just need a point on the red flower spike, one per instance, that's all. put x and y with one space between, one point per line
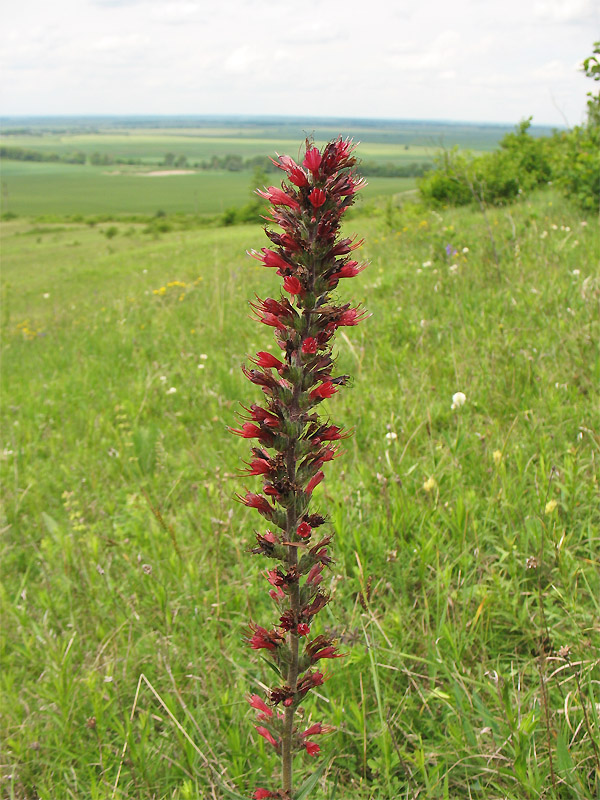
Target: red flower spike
311 257
317 197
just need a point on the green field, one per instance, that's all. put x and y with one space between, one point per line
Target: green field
66 189
58 189
472 666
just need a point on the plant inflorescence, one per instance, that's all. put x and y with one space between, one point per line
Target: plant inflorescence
293 441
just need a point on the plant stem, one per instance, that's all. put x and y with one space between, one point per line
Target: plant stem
287 758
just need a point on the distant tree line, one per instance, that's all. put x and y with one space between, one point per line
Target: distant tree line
75 157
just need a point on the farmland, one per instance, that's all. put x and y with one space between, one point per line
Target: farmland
466 578
116 189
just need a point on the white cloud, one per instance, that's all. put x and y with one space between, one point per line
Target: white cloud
565 10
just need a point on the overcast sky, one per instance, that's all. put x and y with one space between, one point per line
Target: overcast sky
475 60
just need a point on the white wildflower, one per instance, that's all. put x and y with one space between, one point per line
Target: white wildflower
172 390
458 400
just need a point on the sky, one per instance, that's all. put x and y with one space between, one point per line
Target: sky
464 60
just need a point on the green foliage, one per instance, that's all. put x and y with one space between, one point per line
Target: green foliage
123 553
520 165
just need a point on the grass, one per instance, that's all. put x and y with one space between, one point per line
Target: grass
466 540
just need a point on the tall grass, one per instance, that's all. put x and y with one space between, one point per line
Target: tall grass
467 582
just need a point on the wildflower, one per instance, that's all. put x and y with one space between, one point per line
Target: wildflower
262 731
576 272
465 250
550 507
426 264
312 160
453 268
391 435
309 345
260 705
46 295
304 530
172 390
327 389
544 234
497 456
429 485
263 639
278 197
317 197
202 356
310 258
458 400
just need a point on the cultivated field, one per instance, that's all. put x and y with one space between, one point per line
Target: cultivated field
57 189
466 583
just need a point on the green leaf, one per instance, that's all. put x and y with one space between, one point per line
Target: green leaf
310 783
273 666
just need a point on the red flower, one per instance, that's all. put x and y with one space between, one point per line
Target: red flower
262 731
303 629
248 431
279 197
331 433
270 258
267 360
351 317
313 482
292 285
262 639
321 647
314 577
312 160
309 345
259 466
327 389
313 730
349 270
309 681
262 794
304 530
275 322
256 702
258 502
312 748
317 197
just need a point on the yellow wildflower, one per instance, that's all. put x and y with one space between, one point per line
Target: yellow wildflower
429 485
550 506
497 456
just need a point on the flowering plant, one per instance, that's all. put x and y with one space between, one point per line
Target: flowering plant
294 443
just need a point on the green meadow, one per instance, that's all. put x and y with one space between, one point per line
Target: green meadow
56 189
466 582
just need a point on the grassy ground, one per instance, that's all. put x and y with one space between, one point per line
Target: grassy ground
466 581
